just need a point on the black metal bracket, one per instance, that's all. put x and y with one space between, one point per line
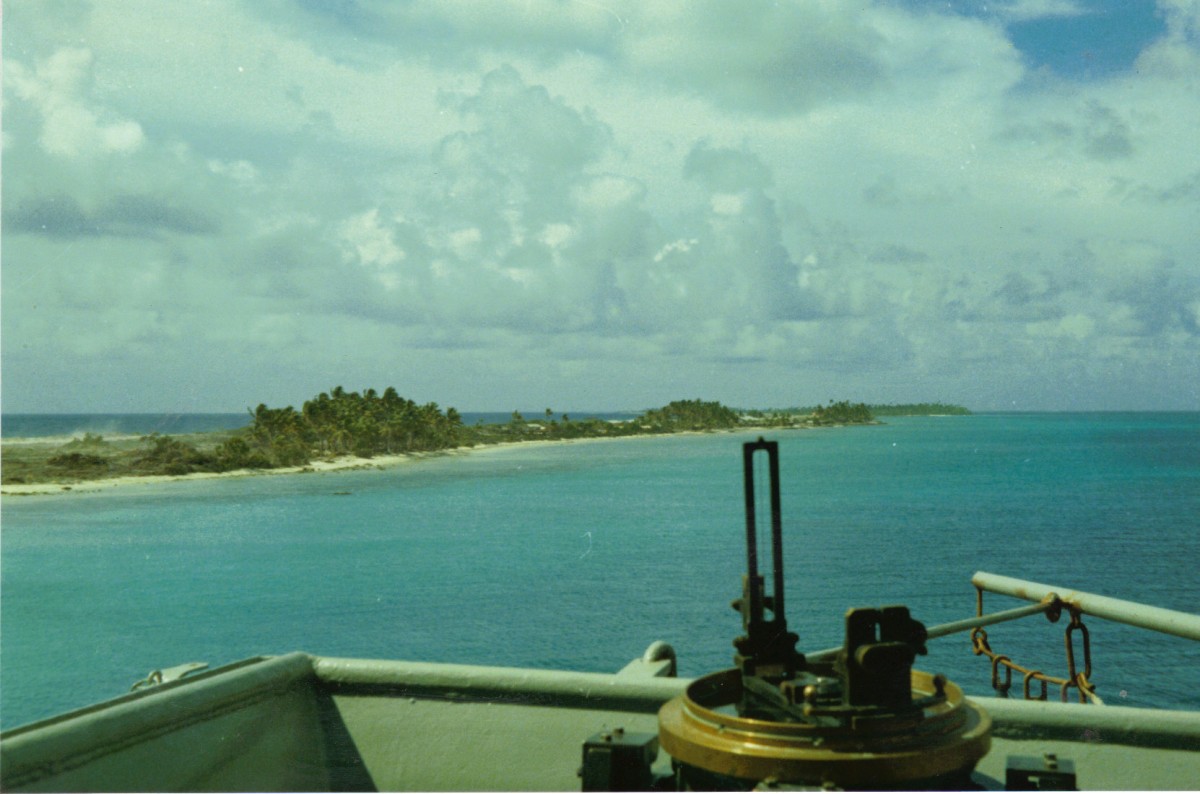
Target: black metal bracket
767 649
1048 773
876 661
619 761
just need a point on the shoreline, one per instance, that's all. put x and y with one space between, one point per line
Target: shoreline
343 463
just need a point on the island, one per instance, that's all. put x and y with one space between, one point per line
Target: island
343 428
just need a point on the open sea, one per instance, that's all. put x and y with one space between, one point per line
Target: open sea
579 555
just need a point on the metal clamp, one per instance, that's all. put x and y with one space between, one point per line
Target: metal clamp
158 677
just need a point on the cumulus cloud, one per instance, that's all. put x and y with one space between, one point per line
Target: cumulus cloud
71 125
813 199
521 227
1176 53
760 57
373 246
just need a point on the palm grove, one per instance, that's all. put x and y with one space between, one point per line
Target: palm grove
371 423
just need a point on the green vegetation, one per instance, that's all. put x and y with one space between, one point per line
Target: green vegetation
676 417
371 424
842 413
88 441
835 413
920 409
340 423
690 415
77 461
170 455
93 457
845 412
330 425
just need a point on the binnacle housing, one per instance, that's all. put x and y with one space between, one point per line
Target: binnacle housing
864 719
723 730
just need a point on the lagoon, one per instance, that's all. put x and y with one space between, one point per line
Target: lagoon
579 555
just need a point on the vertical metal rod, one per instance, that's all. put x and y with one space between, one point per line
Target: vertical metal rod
751 524
776 532
756 600
756 606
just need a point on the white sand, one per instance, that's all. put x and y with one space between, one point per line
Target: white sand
344 463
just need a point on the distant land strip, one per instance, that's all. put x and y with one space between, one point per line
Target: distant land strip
340 424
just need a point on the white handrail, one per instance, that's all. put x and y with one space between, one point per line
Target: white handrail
1167 621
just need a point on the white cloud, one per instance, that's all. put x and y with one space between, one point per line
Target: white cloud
761 57
682 246
1025 10
465 243
1176 55
373 247
1076 326
241 171
556 235
71 126
726 203
851 193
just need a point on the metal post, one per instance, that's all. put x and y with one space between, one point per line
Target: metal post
776 596
755 606
776 532
768 648
966 624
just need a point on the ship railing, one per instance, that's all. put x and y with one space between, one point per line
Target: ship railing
1076 603
1051 601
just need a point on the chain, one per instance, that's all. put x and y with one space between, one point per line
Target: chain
1003 666
1087 690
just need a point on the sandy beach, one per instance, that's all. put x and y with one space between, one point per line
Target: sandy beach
91 486
343 463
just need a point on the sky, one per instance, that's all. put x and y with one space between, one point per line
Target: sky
600 205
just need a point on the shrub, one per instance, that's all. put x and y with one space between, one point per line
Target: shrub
237 454
88 440
172 456
78 460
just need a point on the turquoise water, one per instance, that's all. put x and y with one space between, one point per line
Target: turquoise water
579 555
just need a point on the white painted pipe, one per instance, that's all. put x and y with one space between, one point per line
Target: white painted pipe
1167 621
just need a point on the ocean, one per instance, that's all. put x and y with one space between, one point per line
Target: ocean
579 555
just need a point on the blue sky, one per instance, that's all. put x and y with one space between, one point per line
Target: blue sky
599 204
1088 38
